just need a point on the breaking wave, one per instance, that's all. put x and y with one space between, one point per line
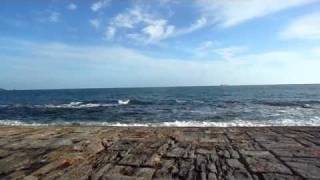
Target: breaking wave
302 104
77 105
84 104
123 102
235 123
72 105
178 107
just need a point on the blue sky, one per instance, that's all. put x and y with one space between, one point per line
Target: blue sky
113 43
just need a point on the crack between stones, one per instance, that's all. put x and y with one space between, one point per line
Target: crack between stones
243 161
278 158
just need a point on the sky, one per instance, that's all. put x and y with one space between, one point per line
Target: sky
56 44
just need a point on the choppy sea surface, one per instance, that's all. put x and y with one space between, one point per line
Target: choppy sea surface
278 105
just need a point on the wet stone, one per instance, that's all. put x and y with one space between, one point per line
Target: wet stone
13 162
238 175
176 152
168 167
272 176
203 151
80 172
264 161
134 159
299 152
212 176
234 154
235 164
306 167
247 145
185 166
212 168
4 153
97 153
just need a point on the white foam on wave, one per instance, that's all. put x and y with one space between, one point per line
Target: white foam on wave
74 105
86 105
123 102
198 101
179 101
78 105
19 123
92 105
235 123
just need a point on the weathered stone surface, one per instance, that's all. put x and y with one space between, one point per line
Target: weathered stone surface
264 161
306 167
298 152
159 153
4 153
271 176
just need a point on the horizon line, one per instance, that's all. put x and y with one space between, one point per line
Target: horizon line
181 86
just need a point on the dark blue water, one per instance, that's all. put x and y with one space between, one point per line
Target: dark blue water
182 106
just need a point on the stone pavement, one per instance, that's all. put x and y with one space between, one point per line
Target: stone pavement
159 153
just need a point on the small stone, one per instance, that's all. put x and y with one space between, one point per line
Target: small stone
272 176
212 168
308 168
175 152
264 161
234 154
212 176
235 164
30 177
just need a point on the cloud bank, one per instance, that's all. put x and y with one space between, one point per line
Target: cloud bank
106 66
306 27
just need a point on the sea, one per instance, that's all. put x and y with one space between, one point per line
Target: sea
211 106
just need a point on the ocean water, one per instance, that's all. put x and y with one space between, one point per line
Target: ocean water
280 105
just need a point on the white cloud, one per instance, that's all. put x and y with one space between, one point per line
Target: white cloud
305 27
48 16
231 52
130 18
232 12
110 33
200 23
213 49
100 4
105 66
54 17
158 30
72 6
95 23
316 51
204 49
166 2
140 25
